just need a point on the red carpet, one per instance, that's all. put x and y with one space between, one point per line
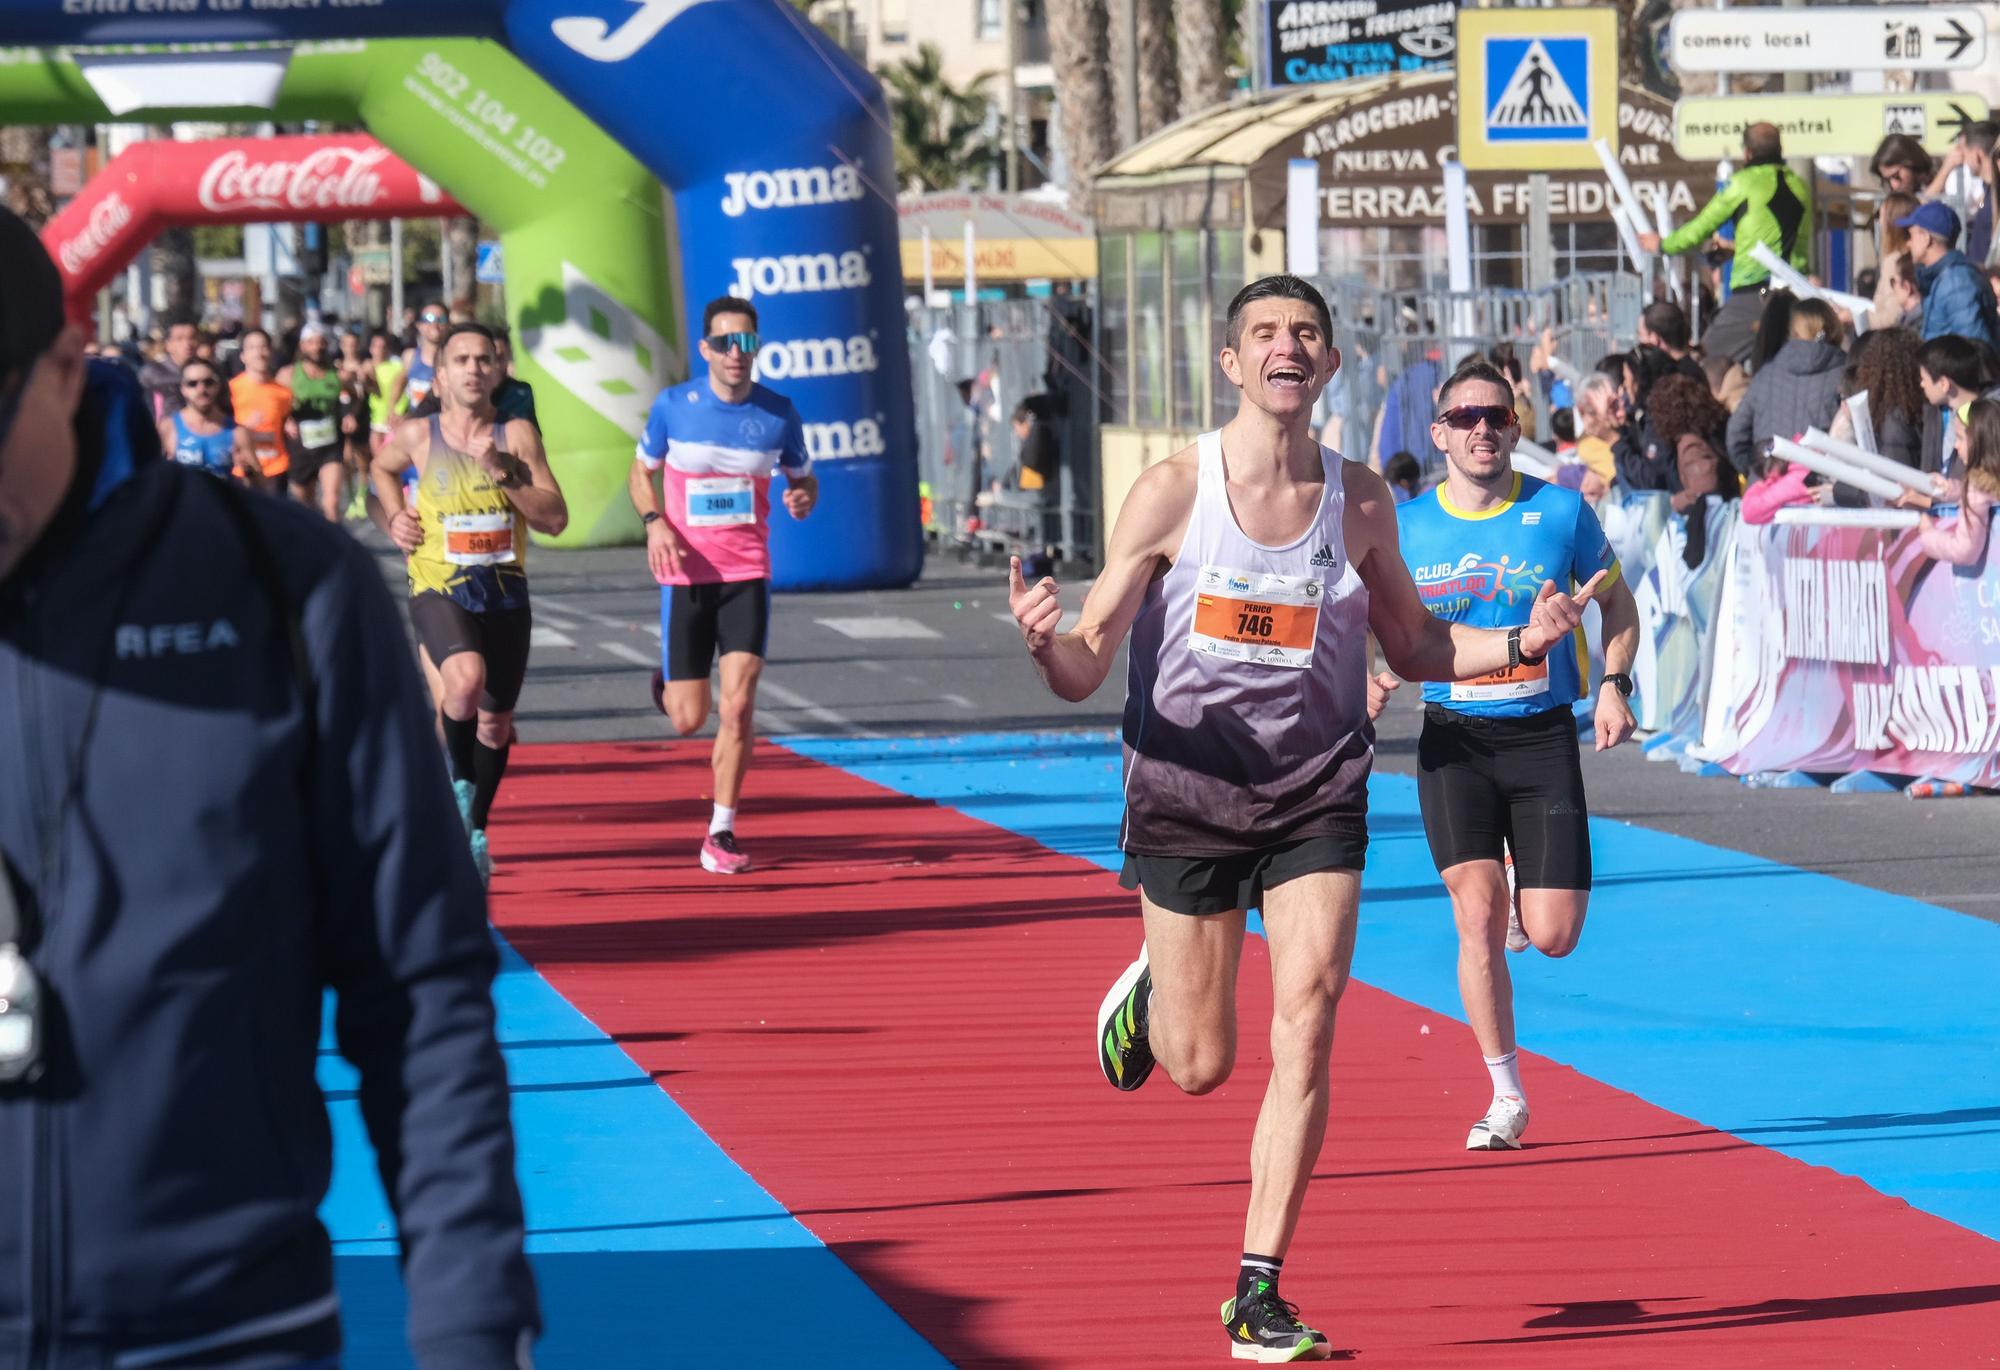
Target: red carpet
888 1025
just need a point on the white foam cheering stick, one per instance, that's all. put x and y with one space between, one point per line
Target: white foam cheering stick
1887 467
1846 472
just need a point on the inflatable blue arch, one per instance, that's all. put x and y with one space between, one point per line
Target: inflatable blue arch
774 145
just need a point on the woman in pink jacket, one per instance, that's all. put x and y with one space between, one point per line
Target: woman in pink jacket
1975 487
1779 485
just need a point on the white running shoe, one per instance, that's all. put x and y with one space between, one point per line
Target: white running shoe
1517 936
1501 1128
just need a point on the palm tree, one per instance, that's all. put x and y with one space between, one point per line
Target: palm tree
944 133
1201 38
1250 42
174 264
24 152
173 261
461 240
1079 53
1159 80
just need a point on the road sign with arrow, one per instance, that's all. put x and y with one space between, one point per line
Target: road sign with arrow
1710 127
1941 38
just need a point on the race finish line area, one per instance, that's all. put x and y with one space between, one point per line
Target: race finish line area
900 534
859 1081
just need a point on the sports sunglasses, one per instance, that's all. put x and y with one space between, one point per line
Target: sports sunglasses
1466 417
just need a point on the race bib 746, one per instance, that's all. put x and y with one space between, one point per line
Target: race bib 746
1256 616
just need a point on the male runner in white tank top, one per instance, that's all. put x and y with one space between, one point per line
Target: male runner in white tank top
1249 569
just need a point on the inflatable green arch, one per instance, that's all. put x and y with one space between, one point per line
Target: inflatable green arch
584 228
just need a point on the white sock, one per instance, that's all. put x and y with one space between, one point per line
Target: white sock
1506 1073
725 821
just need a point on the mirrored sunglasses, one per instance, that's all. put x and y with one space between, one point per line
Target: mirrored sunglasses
746 343
1466 417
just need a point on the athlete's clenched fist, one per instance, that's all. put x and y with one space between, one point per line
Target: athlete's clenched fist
1380 686
1037 608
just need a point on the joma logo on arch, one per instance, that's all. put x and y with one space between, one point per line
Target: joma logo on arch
789 188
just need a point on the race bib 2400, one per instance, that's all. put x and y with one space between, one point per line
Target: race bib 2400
721 501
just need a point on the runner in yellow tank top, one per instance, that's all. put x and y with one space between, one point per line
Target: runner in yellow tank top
481 484
474 541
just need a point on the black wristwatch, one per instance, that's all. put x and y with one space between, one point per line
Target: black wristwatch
1517 657
1621 680
651 516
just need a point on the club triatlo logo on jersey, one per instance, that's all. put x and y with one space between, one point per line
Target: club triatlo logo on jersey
1258 617
1449 587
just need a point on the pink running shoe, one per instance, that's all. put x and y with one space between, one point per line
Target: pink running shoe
721 856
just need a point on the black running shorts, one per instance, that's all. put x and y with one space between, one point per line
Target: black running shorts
1486 784
307 461
698 623
445 628
1197 885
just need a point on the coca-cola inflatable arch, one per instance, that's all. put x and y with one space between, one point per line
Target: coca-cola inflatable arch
773 146
152 186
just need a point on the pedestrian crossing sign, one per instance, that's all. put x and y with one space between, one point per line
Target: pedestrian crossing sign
1536 88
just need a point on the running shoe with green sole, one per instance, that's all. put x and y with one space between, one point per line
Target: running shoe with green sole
482 857
1123 1053
1267 1329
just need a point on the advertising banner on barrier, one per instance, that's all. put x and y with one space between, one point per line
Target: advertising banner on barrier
1677 606
1844 649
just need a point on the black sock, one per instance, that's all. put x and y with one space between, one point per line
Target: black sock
1257 1270
488 765
459 736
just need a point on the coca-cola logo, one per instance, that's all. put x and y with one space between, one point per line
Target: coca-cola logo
107 218
330 178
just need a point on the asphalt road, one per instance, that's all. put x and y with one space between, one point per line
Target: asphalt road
944 657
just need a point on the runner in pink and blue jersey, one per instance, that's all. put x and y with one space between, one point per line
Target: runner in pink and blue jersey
702 485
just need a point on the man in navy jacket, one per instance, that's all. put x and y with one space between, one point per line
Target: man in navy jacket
220 796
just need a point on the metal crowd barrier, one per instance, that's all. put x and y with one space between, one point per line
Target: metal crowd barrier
971 365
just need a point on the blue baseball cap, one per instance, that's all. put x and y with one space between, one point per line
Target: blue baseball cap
1934 218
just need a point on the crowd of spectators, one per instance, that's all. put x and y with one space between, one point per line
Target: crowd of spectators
1696 420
